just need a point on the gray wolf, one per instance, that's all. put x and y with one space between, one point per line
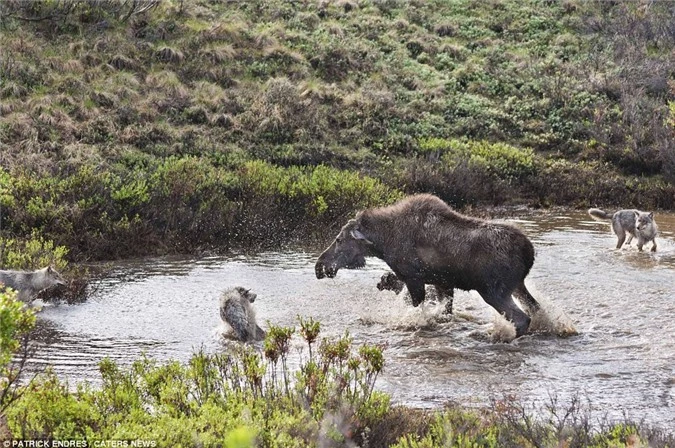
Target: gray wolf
29 283
236 311
425 242
634 222
390 282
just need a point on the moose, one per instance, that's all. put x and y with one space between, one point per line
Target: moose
424 241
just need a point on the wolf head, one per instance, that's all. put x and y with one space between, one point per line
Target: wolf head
246 294
49 277
643 220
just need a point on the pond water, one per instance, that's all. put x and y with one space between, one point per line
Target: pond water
620 302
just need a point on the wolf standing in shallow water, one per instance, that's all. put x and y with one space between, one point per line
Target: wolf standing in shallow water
236 311
29 284
636 223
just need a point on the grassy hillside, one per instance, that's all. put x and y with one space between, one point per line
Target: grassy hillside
129 128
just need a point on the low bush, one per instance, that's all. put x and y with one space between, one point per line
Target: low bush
213 397
504 161
32 253
461 185
16 323
180 204
587 184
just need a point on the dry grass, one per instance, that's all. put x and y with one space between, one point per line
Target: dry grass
167 82
169 55
6 108
275 50
12 89
217 54
122 62
209 94
233 31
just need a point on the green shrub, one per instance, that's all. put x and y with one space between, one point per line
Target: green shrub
16 322
32 253
303 201
320 188
191 200
502 160
235 396
244 397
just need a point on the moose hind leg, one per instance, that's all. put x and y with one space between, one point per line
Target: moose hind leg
504 304
526 299
447 295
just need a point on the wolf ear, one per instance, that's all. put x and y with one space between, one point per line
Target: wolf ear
637 213
651 214
50 269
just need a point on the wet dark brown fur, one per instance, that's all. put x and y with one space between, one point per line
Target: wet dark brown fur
424 242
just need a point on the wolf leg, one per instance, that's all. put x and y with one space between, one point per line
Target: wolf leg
653 245
620 233
641 242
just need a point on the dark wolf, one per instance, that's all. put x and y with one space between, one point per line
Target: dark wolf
634 222
29 283
425 242
236 311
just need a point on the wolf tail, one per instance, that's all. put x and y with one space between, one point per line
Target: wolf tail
598 214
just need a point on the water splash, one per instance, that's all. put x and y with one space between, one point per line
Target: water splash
392 311
502 329
550 318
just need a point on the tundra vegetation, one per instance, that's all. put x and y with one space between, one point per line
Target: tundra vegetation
135 128
142 127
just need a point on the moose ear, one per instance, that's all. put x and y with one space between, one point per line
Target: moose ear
357 235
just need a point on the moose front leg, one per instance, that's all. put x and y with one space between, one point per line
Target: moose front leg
416 290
